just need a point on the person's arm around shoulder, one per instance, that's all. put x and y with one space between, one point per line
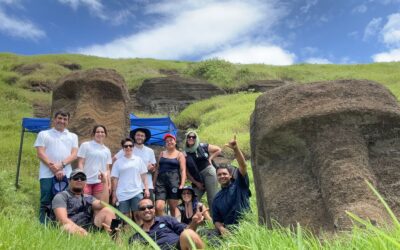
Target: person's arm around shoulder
60 210
214 151
232 144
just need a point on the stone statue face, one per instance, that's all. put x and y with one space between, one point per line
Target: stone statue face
314 146
94 100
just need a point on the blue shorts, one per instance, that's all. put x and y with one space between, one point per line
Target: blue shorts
130 205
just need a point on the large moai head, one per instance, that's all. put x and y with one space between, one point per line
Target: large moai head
96 96
313 146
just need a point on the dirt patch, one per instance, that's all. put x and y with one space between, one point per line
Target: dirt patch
26 69
314 145
96 96
41 109
39 85
71 66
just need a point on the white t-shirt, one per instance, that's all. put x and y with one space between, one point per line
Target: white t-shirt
58 146
96 156
147 155
128 171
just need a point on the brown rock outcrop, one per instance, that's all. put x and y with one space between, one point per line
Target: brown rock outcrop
172 94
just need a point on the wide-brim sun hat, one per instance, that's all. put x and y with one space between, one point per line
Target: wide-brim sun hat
144 130
190 188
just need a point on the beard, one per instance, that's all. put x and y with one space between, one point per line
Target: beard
77 190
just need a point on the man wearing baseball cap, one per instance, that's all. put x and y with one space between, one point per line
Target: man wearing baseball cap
79 213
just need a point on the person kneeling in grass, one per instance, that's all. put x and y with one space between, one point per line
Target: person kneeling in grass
166 231
233 198
79 213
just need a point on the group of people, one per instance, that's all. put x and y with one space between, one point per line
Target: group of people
138 185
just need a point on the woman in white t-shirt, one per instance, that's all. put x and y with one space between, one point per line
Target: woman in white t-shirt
94 157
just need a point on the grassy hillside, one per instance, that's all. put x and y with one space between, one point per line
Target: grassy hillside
216 120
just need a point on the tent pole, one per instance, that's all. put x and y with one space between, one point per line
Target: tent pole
19 157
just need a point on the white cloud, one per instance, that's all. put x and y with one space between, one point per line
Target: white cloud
391 30
317 60
249 53
391 56
16 27
360 9
200 27
372 28
308 5
96 8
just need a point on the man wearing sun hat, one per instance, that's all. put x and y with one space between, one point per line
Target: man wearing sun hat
77 212
140 136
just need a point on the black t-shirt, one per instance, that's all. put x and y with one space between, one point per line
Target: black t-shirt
200 157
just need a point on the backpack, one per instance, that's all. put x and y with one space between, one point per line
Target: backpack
59 186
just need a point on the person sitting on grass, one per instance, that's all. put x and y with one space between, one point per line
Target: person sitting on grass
190 205
79 213
166 231
233 198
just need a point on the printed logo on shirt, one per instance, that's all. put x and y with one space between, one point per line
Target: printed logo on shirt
162 225
174 190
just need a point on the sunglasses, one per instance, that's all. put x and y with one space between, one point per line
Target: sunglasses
128 146
192 137
78 178
186 193
146 207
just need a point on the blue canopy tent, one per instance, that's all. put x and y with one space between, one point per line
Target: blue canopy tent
33 125
157 126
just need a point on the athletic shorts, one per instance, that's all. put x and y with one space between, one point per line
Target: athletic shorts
92 189
167 186
130 205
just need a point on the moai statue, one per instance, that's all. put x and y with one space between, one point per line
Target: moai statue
95 96
313 147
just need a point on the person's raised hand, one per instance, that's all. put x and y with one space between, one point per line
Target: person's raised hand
232 144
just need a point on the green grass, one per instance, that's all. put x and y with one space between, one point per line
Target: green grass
216 119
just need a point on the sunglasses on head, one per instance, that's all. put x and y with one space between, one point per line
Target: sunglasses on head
79 178
128 146
192 137
143 208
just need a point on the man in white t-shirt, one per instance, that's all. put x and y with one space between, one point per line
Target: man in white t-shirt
140 136
127 175
56 149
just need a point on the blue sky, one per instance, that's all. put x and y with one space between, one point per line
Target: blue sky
249 31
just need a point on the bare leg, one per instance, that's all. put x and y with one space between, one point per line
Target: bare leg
160 205
173 204
185 243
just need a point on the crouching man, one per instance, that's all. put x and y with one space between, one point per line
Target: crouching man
79 213
166 231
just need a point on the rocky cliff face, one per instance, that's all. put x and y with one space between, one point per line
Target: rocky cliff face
172 94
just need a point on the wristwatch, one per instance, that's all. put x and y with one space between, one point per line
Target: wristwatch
63 164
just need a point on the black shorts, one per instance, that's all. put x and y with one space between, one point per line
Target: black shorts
167 186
